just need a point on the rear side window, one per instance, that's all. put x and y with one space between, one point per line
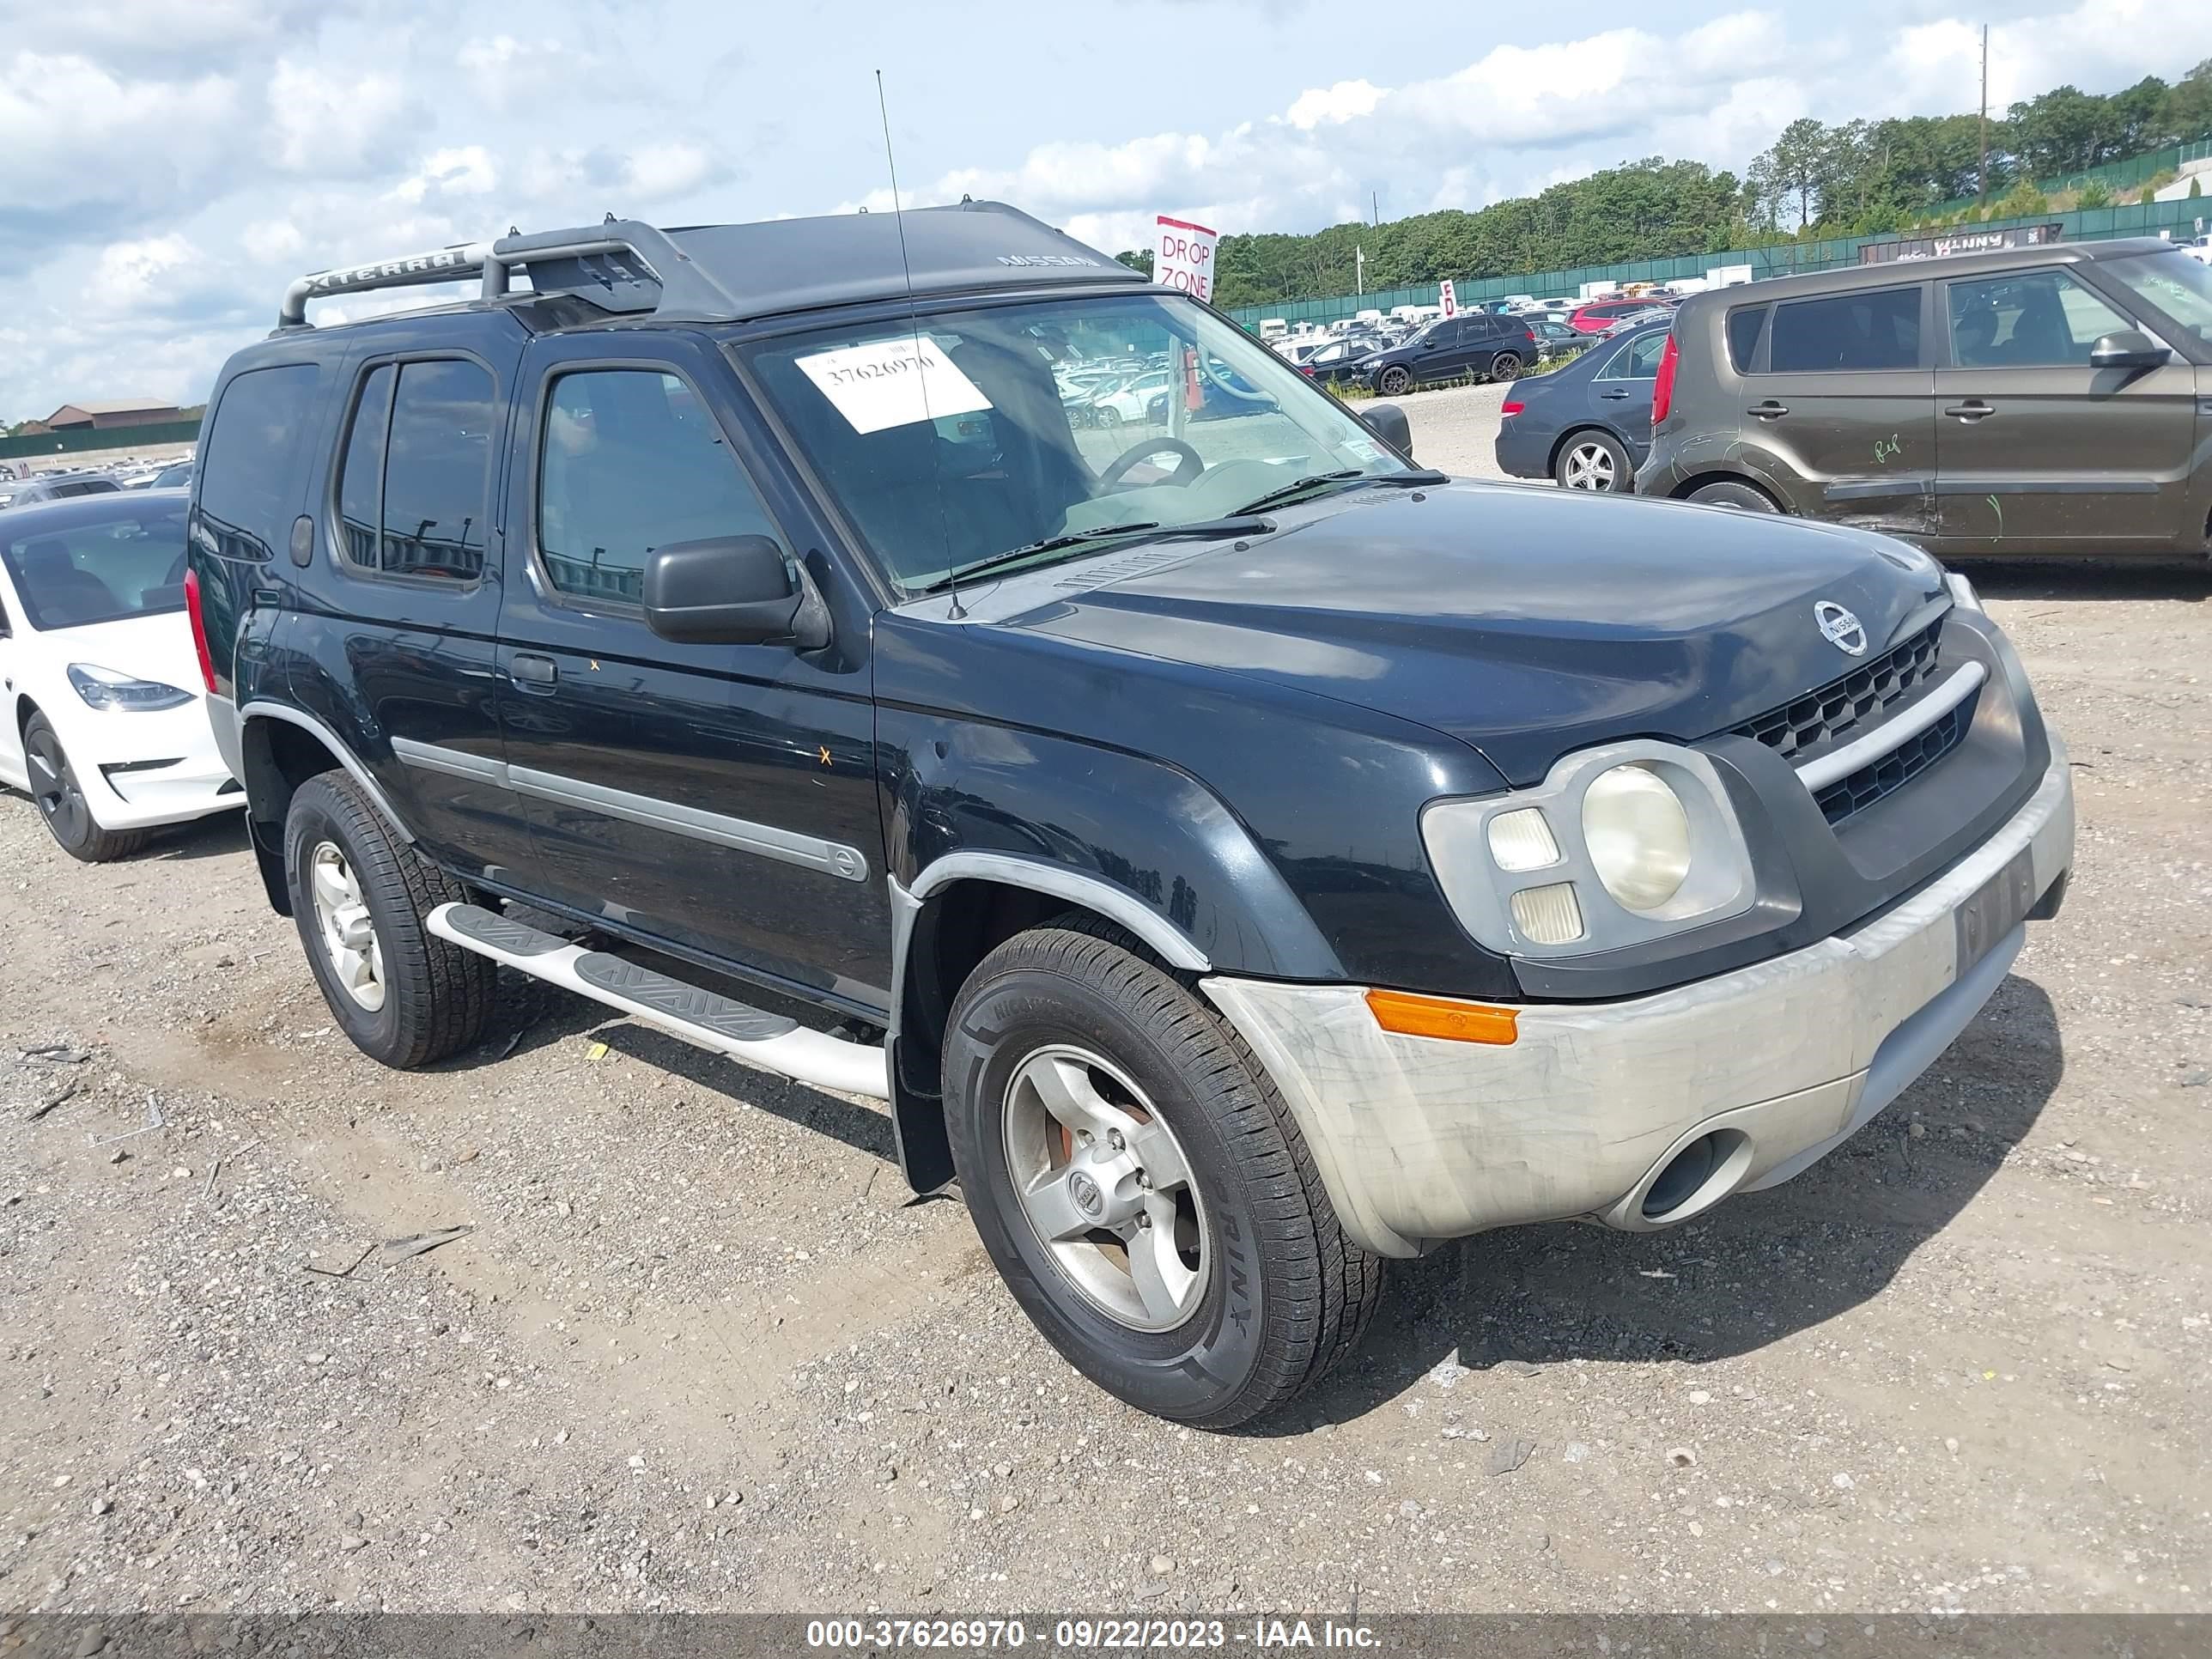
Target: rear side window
1637 360
1851 332
249 482
415 488
1744 328
629 461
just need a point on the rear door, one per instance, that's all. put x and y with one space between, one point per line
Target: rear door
1620 394
2038 451
1842 402
395 640
719 798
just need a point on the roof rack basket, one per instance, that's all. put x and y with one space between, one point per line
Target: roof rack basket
620 265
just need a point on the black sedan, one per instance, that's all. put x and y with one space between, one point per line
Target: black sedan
1586 423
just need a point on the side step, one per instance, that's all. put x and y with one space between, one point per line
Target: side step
698 1016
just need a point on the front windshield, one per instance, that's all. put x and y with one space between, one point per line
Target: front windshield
978 435
2173 282
125 564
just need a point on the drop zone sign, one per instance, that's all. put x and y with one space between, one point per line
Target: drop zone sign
1183 257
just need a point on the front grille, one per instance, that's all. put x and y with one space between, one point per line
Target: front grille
1823 716
1885 776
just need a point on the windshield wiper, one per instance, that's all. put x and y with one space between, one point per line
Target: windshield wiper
1238 524
1278 497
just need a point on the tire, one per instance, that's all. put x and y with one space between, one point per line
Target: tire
1394 381
1744 497
1594 461
1109 416
1269 1293
1505 365
60 800
360 895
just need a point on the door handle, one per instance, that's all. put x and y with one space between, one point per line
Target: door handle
527 670
1613 397
1972 410
1770 410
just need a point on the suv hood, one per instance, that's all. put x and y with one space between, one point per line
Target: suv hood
1526 622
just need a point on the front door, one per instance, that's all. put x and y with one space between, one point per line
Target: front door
1844 408
2038 451
720 799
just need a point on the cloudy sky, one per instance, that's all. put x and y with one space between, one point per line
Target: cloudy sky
166 165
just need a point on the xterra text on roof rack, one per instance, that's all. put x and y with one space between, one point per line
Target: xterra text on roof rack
1243 856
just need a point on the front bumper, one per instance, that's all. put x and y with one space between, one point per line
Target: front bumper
1420 1138
140 769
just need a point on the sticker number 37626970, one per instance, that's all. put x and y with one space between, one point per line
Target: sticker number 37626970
893 382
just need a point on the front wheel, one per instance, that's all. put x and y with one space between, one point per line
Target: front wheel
1395 382
1109 416
360 895
1140 1185
1730 492
61 801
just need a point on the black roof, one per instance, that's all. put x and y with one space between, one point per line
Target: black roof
737 273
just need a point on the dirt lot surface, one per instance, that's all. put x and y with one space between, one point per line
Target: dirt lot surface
701 1349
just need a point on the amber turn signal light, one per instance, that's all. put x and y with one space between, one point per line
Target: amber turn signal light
1439 1016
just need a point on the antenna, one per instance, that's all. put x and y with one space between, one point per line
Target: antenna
956 612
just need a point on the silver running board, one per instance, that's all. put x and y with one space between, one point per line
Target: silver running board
698 1015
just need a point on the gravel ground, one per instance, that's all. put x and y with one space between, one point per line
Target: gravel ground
701 1350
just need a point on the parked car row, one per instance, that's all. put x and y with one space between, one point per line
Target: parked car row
65 485
2035 400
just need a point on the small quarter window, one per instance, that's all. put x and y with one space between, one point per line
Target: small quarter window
249 481
1745 325
629 460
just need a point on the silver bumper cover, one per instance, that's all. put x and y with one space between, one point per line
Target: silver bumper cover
1420 1138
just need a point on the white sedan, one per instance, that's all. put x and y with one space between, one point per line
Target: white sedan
101 717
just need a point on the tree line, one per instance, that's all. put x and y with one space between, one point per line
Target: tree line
1856 178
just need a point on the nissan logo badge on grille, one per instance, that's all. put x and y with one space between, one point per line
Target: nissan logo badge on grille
1840 628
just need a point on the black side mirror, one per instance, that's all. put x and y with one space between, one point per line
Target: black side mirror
731 590
2127 347
1387 422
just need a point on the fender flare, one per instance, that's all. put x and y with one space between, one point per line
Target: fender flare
263 709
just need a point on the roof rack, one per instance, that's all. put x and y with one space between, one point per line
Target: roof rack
734 273
621 265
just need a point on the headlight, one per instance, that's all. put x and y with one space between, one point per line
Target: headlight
103 688
1962 591
1638 836
1619 846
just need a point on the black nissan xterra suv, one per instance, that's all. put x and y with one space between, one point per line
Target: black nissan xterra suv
1236 856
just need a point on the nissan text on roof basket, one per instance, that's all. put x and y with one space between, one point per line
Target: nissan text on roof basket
1234 854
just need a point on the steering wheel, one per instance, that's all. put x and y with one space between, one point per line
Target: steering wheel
1189 463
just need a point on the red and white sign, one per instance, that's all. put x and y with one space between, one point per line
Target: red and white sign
1448 300
1183 257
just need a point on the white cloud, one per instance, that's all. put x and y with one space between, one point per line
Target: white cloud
181 159
72 130
333 122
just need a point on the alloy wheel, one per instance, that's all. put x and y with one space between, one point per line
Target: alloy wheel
1590 466
348 932
54 786
1102 1182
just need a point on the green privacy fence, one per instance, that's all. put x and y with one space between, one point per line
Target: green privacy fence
114 437
1786 259
2117 177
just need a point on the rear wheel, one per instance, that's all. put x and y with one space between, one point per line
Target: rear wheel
1394 381
1505 365
1594 461
1139 1183
360 895
61 801
1744 497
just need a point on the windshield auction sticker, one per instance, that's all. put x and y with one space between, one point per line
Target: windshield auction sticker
896 382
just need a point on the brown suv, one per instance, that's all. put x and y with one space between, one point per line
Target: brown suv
2026 400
